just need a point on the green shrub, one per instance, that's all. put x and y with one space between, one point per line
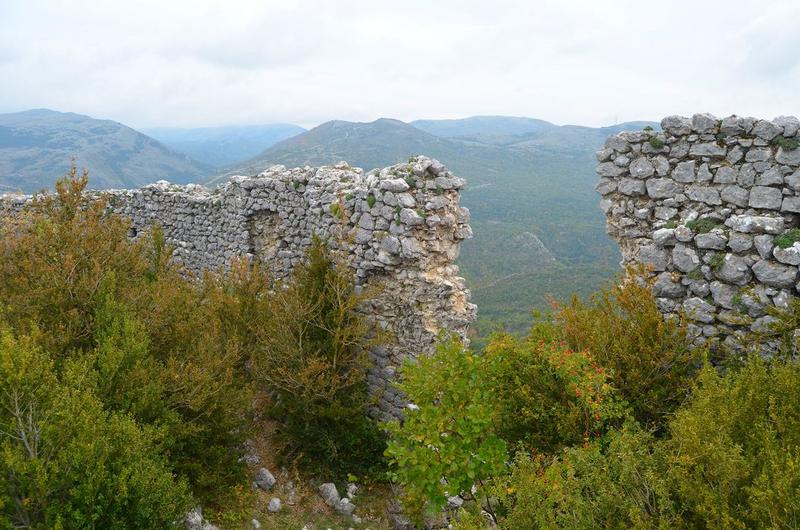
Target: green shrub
702 226
788 238
650 359
717 260
67 462
617 484
128 329
734 455
371 200
789 144
549 397
311 355
447 441
656 142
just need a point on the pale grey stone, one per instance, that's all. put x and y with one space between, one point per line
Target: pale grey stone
677 125
699 310
665 213
724 294
725 175
711 149
758 154
683 233
410 217
739 242
763 324
775 274
394 185
770 177
735 195
604 155
735 154
735 270
329 494
684 172
661 165
765 198
606 186
755 224
609 169
790 158
710 240
684 258
766 130
704 194
789 124
747 175
344 506
628 186
274 505
406 200
264 479
654 256
617 143
732 125
662 188
764 244
664 237
789 256
666 287
705 123
704 174
791 204
641 168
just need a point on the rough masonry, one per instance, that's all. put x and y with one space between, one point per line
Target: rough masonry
399 228
712 206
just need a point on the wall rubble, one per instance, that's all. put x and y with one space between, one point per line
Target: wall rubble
399 228
711 206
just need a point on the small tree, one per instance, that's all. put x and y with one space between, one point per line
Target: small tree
447 441
312 358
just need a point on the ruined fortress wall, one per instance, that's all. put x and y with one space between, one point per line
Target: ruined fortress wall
709 205
399 228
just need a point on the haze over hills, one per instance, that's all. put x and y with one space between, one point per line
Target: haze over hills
37 147
538 227
222 146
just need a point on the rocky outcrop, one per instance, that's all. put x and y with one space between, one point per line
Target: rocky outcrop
710 206
399 228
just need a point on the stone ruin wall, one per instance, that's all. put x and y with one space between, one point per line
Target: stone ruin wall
701 203
399 228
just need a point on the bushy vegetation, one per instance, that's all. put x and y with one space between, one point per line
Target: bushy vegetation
312 359
127 386
649 358
788 238
612 421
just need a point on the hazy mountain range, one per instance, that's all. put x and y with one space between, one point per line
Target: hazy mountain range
221 146
538 228
38 146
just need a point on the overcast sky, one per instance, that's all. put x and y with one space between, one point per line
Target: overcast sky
196 63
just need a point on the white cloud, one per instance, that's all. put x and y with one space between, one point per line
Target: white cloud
206 62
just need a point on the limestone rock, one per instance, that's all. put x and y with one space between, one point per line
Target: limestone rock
775 274
264 479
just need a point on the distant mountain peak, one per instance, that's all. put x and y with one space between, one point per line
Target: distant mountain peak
37 147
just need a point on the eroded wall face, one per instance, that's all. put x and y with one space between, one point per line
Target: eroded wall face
709 205
399 228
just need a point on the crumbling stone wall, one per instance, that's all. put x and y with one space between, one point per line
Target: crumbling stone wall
399 227
709 205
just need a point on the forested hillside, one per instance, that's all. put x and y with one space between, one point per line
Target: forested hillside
537 226
39 146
